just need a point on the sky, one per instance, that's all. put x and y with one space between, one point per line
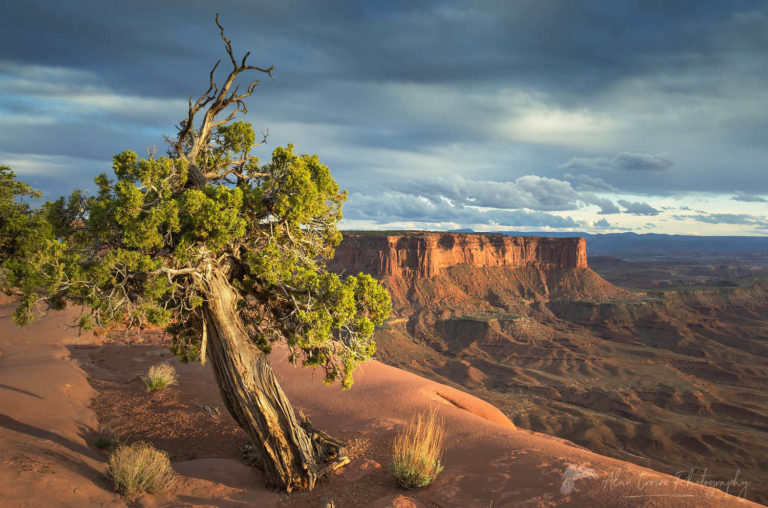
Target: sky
526 115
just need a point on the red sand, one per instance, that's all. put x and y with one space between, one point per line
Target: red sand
47 429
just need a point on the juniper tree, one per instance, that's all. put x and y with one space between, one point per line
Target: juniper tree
17 221
228 254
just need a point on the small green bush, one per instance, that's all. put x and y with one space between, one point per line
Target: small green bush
139 468
160 376
417 450
106 437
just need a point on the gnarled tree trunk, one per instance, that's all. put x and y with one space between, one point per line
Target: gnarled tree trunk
292 454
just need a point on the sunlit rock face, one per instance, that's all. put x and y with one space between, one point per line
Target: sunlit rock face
428 254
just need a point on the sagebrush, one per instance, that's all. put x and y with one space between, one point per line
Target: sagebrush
160 376
106 437
417 451
139 468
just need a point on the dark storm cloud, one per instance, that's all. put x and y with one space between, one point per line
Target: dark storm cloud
589 183
638 208
575 46
607 207
573 51
77 139
488 90
55 175
602 224
624 161
748 198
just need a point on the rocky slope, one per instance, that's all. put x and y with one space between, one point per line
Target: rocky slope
55 384
671 380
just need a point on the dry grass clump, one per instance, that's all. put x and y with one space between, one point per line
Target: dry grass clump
417 450
106 437
160 376
139 468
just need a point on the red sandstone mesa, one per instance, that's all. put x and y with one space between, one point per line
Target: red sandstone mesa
427 254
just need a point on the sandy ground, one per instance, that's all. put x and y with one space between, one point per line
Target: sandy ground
48 416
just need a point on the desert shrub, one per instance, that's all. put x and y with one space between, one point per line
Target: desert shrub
160 376
106 437
139 468
417 450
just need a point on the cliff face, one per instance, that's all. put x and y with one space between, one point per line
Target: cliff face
428 254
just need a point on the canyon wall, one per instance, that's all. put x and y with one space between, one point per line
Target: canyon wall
424 254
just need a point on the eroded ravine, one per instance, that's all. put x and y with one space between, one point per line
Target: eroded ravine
673 380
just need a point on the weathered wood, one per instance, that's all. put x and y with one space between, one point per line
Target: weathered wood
293 455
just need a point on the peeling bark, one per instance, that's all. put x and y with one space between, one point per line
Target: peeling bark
293 455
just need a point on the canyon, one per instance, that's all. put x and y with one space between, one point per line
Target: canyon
534 360
668 378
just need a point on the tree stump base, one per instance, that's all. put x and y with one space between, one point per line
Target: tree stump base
330 451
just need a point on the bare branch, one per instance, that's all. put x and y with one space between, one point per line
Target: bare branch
227 42
192 142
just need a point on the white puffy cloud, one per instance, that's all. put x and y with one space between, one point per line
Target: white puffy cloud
529 191
394 206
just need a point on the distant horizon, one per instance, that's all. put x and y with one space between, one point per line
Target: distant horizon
543 233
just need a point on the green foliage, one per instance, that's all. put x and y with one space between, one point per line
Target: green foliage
143 249
15 213
212 216
18 223
233 141
138 251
